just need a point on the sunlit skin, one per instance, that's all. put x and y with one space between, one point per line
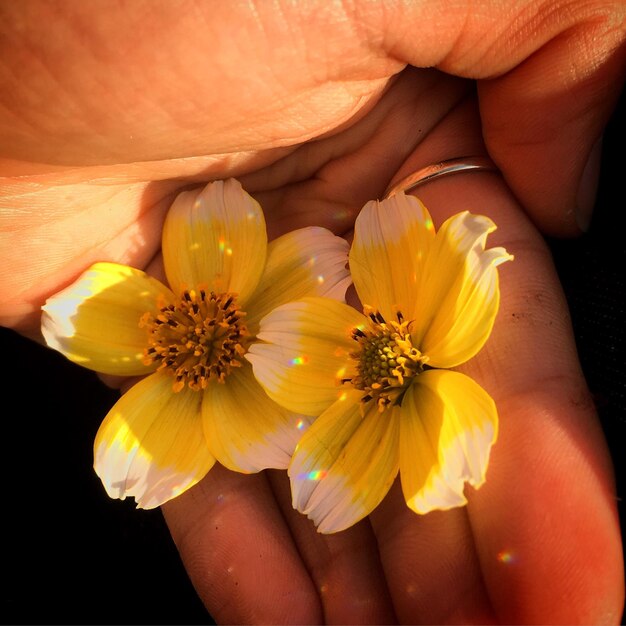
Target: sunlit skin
110 110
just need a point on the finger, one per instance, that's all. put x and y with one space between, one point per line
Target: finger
431 564
551 465
541 552
340 174
53 227
550 74
220 89
345 568
551 153
424 555
239 554
549 77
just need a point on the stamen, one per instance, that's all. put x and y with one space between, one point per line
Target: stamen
198 339
386 360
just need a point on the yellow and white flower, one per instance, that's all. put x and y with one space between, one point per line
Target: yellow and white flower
199 401
381 380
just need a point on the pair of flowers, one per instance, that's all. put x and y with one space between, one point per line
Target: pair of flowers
252 358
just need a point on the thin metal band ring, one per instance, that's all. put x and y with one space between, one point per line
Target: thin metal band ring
443 168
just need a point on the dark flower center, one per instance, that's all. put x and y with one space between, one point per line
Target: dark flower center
198 339
386 360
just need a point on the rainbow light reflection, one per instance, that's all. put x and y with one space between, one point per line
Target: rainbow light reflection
506 556
221 243
314 475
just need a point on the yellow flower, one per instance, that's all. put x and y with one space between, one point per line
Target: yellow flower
200 401
381 381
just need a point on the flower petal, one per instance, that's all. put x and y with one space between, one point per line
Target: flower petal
151 445
215 238
344 464
95 321
305 262
448 424
459 295
391 240
245 430
306 354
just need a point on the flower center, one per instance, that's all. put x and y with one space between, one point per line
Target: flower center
386 360
197 339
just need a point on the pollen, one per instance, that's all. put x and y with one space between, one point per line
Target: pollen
386 359
197 339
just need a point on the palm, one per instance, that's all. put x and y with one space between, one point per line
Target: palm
115 211
492 561
523 539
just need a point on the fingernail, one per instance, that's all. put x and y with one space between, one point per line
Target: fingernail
588 187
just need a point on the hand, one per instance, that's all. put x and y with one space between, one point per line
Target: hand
526 548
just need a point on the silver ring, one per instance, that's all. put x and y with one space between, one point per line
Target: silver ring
443 168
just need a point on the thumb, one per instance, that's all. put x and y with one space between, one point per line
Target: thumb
548 74
543 123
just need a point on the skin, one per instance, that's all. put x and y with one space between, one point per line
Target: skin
111 110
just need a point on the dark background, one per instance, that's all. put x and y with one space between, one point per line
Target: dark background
70 555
